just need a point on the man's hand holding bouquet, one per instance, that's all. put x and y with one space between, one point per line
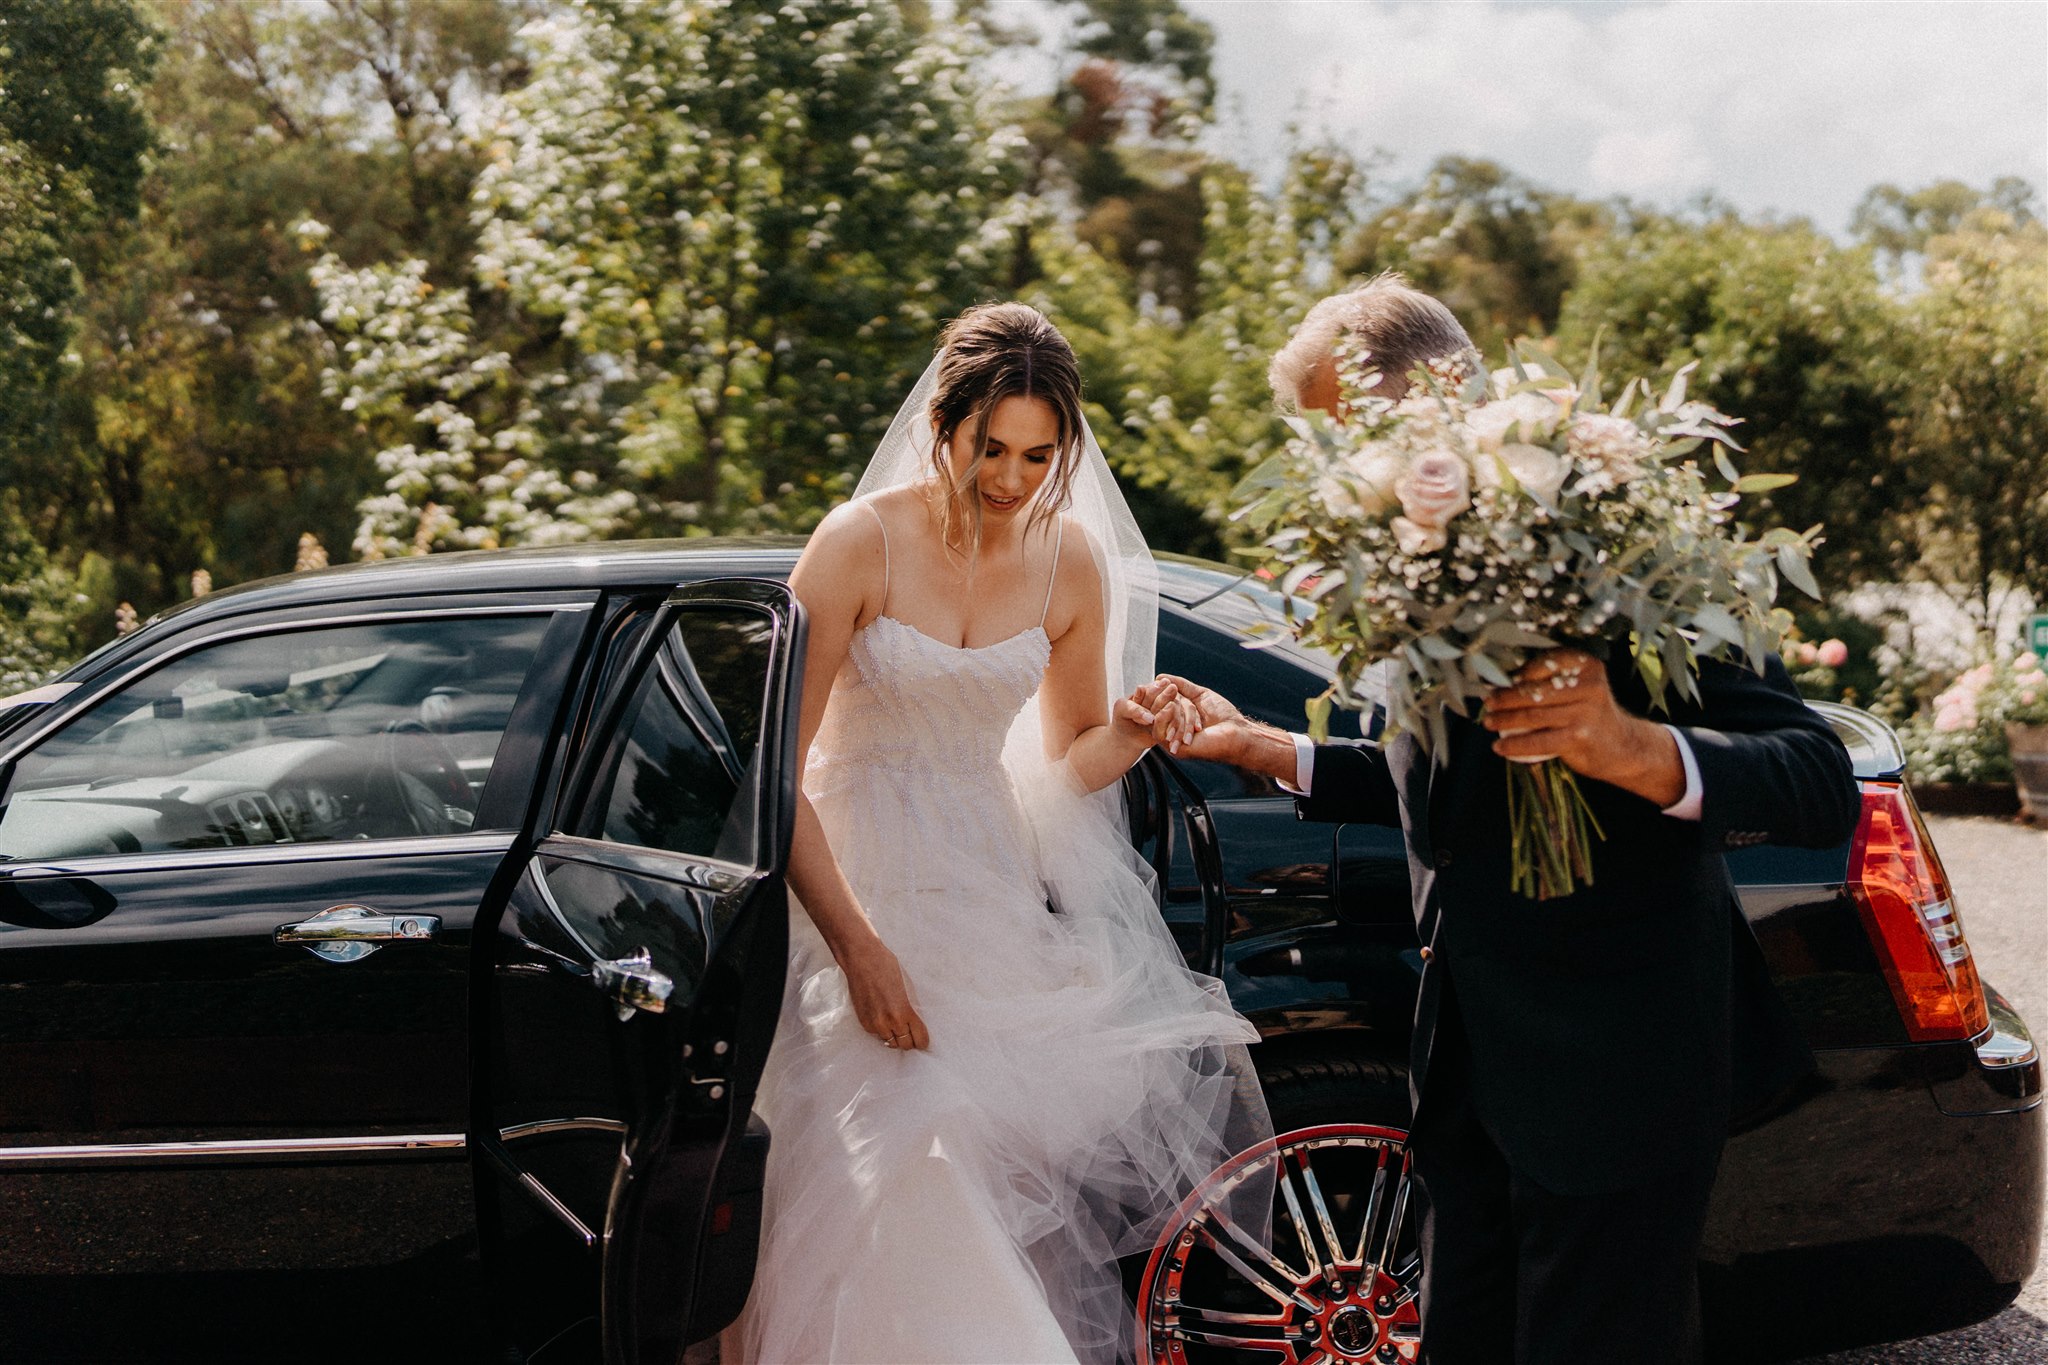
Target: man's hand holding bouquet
1478 521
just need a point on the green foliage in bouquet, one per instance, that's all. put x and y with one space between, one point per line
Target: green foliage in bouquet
1457 532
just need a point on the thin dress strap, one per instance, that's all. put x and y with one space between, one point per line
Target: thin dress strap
1051 578
885 556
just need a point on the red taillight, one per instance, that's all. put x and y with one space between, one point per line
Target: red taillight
1910 913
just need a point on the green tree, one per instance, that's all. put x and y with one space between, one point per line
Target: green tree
1499 251
1180 400
190 430
715 240
1900 223
40 604
1789 330
1973 355
72 146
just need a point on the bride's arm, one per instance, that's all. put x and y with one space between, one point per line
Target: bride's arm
838 572
1099 742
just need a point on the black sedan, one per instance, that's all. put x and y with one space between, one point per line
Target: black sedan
388 956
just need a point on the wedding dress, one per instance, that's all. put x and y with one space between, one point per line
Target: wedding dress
968 1202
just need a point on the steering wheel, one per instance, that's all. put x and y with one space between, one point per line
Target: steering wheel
424 779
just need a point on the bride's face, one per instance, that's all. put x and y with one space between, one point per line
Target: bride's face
1023 441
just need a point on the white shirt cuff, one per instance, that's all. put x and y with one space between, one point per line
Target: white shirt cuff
1304 766
1688 806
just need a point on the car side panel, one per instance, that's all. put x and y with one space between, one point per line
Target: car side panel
1866 1214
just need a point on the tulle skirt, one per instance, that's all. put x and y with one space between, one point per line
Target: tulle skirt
969 1202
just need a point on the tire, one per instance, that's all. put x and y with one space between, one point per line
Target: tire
1330 1086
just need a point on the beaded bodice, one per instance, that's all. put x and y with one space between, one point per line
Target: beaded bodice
911 750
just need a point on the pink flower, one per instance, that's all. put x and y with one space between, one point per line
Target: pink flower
1611 446
1952 720
1834 653
2028 696
1808 655
1436 488
2027 663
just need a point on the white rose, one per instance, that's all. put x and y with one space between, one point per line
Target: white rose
1536 469
1526 415
1505 378
1377 470
1418 540
1337 497
1436 487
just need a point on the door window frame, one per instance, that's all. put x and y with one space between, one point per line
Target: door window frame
59 716
602 738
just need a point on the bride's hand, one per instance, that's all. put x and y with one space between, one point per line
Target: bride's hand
881 997
1157 714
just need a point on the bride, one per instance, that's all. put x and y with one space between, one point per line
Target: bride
994 1075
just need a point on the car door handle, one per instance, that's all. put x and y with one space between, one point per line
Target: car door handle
350 933
633 983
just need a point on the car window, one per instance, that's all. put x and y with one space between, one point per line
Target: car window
378 730
678 773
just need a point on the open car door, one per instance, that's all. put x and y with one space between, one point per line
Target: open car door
635 983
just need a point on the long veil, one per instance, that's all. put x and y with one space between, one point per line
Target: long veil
1202 1100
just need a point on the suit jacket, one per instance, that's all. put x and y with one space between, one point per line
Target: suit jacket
1606 1027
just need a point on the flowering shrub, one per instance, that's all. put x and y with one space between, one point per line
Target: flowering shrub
1962 737
2020 692
1814 667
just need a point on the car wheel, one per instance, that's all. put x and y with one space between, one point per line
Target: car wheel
1334 1087
1335 1274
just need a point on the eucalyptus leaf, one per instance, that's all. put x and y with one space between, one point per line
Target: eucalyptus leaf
1319 718
1792 563
1674 397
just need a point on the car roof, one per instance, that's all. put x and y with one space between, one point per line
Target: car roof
595 564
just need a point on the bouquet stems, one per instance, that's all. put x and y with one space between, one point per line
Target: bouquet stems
1551 830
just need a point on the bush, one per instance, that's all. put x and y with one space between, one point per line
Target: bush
1961 738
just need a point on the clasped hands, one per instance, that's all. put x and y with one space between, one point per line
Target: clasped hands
1560 706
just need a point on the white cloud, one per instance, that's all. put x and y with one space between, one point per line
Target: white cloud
1791 106
1656 163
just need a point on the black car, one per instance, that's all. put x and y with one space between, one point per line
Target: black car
388 956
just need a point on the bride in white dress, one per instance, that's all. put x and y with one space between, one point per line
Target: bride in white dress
994 1074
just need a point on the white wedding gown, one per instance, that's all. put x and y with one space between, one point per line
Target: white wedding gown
967 1203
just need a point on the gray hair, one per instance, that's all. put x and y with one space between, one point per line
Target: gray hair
1400 326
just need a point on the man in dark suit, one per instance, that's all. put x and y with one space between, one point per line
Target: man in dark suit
1575 1061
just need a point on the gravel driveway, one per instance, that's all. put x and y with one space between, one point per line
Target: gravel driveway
2000 872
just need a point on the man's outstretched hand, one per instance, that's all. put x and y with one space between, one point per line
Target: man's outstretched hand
1561 705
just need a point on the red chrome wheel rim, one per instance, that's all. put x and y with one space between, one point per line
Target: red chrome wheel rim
1334 1283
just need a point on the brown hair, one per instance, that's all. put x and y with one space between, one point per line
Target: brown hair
991 352
1400 326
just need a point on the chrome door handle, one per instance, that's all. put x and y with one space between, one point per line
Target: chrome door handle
350 933
633 983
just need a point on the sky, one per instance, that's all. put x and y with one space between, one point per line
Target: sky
1795 107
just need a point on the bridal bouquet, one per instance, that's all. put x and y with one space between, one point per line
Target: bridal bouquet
1480 519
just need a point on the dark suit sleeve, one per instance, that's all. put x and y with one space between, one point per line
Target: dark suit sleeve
1351 785
1771 770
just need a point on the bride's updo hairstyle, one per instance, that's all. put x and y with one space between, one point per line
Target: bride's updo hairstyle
991 352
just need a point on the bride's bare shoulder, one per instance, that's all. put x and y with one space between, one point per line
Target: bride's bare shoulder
848 548
1080 552
1077 577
